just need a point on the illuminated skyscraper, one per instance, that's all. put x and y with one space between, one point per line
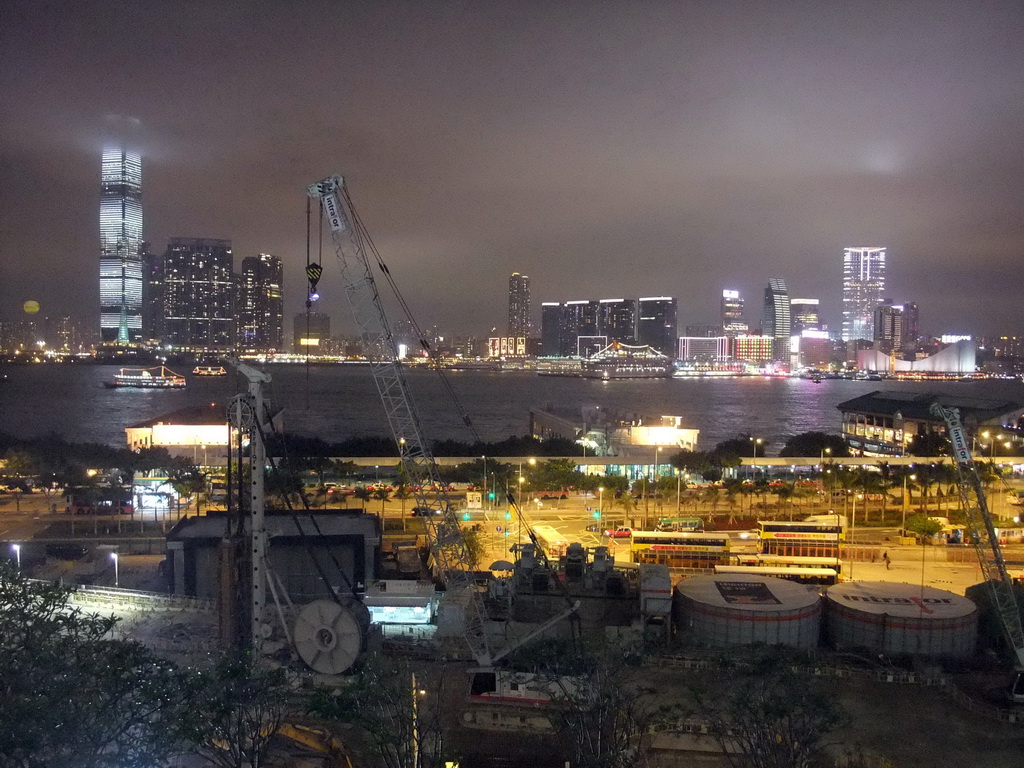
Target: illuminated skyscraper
121 246
863 284
656 324
518 305
777 318
199 290
261 305
733 323
804 315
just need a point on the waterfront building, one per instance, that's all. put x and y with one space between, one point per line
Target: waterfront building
580 320
656 325
812 349
704 349
311 333
121 246
888 330
261 304
804 315
752 349
152 294
955 357
863 284
776 323
733 323
911 330
886 423
607 432
551 323
199 291
617 320
519 305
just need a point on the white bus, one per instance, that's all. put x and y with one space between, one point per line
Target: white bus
551 541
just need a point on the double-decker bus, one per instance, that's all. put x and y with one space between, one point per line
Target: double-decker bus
677 524
818 537
551 541
825 576
682 549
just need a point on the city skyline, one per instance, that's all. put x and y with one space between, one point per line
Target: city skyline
596 151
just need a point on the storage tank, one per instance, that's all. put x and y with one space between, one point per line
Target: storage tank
742 609
889 618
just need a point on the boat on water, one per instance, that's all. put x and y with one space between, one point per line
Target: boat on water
146 378
209 370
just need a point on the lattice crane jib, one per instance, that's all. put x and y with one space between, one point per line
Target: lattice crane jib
352 248
982 531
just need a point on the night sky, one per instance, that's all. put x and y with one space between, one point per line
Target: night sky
606 149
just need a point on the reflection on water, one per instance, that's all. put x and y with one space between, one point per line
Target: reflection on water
334 402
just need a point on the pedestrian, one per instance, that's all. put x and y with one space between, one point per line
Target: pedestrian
885 559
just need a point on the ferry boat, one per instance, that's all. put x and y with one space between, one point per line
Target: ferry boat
209 370
147 378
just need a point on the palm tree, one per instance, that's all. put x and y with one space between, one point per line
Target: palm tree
712 495
364 494
382 494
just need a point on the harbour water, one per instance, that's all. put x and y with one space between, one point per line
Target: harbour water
339 401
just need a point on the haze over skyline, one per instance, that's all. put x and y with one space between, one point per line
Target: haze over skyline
603 149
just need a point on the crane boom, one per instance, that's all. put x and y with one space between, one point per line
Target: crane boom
352 245
986 541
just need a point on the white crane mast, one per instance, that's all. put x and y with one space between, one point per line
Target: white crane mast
352 246
986 541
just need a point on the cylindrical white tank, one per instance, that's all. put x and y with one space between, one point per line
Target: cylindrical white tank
889 618
741 609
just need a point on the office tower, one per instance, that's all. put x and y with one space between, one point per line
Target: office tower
199 292
311 334
733 323
911 331
121 246
580 322
261 305
518 305
777 323
152 294
863 284
551 323
617 320
704 349
804 315
656 324
888 326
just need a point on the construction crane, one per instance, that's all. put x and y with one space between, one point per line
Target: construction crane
448 547
982 532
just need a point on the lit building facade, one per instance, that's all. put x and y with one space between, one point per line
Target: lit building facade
261 304
121 246
752 349
551 329
657 325
617 319
777 322
804 315
704 349
311 333
733 323
888 330
518 305
863 285
199 289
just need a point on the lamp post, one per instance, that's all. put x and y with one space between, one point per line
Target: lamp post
679 483
113 556
484 502
906 503
17 553
853 531
821 461
600 501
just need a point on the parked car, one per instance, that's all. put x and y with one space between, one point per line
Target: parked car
425 512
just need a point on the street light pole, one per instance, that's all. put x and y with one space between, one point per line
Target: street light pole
853 532
117 582
906 503
17 553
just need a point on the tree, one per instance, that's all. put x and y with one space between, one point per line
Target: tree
473 536
239 709
381 494
810 444
763 714
398 709
364 494
929 444
71 695
923 526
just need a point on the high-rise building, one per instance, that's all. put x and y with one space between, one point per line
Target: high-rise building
656 324
776 323
733 323
551 324
704 349
911 330
888 326
804 315
261 304
199 289
580 320
121 246
311 333
863 284
152 294
616 320
518 305
753 349
703 330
